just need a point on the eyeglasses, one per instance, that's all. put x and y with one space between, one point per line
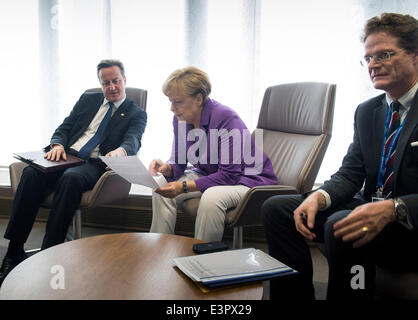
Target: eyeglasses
378 57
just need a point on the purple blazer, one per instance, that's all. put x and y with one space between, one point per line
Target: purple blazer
222 150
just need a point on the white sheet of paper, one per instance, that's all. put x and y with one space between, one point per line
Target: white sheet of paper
133 170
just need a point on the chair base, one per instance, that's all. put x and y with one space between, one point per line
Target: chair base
237 241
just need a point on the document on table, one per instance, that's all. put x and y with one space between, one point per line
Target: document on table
133 170
232 266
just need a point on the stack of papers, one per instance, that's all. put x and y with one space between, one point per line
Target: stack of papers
230 267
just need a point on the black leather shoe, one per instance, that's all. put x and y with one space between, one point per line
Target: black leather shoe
8 264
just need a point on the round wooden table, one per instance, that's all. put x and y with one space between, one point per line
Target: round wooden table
115 266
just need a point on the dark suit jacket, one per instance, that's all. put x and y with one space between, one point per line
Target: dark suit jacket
360 166
125 128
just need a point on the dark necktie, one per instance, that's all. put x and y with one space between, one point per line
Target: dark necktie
393 127
86 150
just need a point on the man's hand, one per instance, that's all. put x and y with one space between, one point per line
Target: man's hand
365 222
119 152
170 190
308 208
157 166
56 153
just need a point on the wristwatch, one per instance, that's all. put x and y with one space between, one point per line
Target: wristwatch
401 211
185 190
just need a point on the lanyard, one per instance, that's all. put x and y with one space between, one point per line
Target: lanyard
384 158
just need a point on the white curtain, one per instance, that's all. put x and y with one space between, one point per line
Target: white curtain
19 81
50 49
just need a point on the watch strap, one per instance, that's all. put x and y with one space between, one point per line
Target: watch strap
401 213
185 190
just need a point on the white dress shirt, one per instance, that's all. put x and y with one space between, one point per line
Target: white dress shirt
94 125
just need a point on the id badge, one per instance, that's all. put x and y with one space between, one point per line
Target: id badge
378 196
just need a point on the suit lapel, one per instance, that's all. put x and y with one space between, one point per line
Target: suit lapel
92 107
92 114
379 120
410 124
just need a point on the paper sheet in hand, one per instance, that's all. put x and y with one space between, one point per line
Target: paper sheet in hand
133 170
233 266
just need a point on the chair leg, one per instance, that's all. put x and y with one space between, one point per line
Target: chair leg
77 224
32 251
237 241
76 233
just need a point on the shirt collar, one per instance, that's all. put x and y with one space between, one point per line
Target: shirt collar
406 99
117 104
204 119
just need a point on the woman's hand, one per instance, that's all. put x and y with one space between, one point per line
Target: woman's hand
170 190
157 166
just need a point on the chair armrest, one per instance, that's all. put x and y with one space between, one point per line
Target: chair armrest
109 188
248 211
15 171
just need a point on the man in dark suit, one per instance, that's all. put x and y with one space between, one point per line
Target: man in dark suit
106 123
367 213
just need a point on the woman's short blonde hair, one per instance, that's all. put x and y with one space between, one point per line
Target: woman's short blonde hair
190 81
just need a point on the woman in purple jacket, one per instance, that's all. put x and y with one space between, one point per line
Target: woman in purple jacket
215 141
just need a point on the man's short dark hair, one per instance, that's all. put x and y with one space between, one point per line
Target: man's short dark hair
402 26
110 63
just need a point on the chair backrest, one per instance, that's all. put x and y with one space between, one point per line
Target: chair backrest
296 119
139 96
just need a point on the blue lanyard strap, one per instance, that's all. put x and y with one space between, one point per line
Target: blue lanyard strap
384 158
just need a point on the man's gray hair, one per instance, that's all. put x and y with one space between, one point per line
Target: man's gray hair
110 63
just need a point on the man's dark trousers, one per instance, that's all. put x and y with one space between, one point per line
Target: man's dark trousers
288 246
34 185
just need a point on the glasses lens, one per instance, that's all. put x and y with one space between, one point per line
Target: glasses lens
380 57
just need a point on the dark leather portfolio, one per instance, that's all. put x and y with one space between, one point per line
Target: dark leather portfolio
36 159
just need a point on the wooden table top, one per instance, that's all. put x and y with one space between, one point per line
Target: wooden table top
115 266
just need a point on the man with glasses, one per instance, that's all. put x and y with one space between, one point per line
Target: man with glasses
106 123
367 213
